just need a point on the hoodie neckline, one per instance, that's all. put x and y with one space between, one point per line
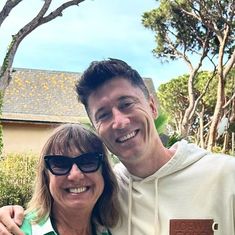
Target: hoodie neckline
178 161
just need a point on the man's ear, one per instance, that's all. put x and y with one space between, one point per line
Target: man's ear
153 106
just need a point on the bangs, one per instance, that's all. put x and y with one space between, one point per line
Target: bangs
72 142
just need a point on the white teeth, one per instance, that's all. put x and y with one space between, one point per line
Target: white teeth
127 137
77 190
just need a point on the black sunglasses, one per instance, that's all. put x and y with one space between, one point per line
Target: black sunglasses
61 165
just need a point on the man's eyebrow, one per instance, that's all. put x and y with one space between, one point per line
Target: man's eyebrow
127 97
121 98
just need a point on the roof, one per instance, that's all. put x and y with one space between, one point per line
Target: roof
45 96
42 95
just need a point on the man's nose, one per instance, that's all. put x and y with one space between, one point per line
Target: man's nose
75 173
120 119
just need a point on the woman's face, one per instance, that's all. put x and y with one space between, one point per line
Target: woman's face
76 190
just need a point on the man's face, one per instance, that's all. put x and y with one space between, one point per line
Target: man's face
124 119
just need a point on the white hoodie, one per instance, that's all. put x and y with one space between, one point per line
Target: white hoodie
195 187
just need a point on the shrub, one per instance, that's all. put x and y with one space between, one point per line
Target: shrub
17 174
1 139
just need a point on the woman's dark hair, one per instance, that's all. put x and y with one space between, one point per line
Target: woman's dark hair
66 140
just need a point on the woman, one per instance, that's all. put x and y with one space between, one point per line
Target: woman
75 190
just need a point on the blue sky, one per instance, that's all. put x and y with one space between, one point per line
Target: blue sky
95 30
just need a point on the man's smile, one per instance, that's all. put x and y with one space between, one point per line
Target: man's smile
127 137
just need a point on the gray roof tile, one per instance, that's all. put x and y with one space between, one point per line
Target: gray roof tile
42 96
45 96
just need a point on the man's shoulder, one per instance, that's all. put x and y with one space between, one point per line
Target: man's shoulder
220 157
219 164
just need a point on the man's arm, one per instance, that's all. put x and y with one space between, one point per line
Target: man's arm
11 217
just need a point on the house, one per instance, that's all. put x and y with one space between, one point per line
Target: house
37 101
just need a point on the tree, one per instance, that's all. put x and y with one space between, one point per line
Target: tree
173 98
41 18
196 27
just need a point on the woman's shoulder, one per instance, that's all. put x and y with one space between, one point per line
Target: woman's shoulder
107 232
26 227
29 227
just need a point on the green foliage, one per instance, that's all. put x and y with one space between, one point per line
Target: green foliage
173 139
231 127
1 139
160 125
6 59
185 26
173 96
17 173
160 122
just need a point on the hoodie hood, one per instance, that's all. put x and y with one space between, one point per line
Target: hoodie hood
185 155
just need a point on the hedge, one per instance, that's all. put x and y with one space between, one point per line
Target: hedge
17 174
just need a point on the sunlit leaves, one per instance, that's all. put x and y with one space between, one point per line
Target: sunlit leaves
17 173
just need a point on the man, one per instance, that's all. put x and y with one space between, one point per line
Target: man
181 190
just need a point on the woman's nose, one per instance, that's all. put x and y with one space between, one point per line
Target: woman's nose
75 173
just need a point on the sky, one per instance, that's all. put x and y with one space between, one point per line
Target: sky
94 30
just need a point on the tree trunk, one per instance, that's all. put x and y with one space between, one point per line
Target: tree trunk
217 113
39 19
225 145
233 145
201 127
186 119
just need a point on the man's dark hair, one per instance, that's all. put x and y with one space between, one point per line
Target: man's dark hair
101 71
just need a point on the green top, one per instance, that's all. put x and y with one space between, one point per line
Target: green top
44 227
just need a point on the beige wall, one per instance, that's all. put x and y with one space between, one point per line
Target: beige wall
25 137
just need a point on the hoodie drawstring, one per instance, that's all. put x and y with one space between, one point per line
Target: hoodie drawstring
156 209
130 205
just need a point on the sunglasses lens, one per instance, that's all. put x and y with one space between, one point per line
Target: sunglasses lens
59 165
89 162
